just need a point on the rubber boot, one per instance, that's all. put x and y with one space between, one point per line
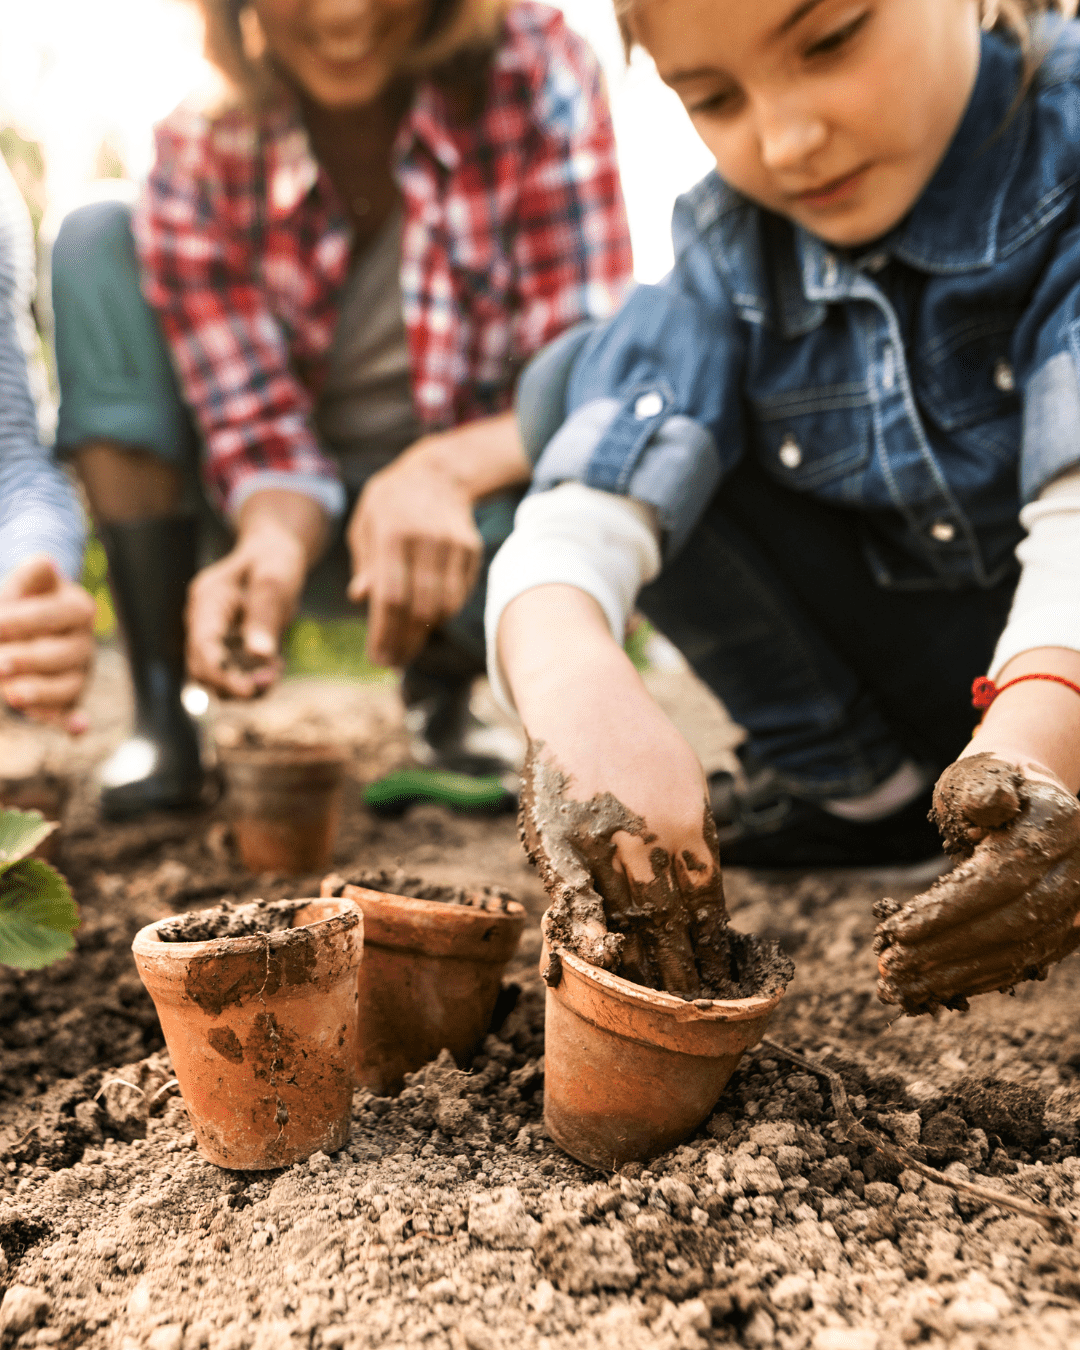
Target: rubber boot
151 564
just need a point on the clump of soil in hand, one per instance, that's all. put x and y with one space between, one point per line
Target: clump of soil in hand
237 656
1007 911
669 933
396 881
231 921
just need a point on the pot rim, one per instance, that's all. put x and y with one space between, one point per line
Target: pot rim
147 943
659 1001
516 910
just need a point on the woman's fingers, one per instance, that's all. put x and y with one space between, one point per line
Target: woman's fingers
47 655
215 605
59 611
27 693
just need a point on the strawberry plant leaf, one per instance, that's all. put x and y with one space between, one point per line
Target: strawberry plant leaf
37 915
20 834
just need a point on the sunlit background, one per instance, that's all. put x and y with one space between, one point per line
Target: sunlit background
85 80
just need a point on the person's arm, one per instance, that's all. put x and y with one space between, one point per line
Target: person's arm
415 547
198 245
46 619
1008 806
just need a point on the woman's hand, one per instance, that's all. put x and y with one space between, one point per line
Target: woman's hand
1009 909
46 644
238 608
416 553
415 548
614 804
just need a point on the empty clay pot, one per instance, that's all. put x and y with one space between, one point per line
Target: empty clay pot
430 978
285 804
44 792
262 1033
630 1072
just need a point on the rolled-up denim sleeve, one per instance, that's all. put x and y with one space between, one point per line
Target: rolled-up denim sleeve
652 405
39 512
1046 348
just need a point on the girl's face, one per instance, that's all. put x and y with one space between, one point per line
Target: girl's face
834 113
342 53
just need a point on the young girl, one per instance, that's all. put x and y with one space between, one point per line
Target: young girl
818 444
349 257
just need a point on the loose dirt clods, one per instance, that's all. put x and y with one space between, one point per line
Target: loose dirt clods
766 1229
396 881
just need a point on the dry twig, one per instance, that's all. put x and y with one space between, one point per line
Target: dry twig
857 1133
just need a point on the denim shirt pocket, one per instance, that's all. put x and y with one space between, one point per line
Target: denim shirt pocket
964 384
817 439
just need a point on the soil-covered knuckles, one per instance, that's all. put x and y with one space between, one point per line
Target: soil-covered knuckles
396 881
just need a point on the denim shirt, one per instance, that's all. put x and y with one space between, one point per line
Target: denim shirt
930 383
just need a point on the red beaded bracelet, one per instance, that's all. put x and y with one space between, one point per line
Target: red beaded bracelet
984 690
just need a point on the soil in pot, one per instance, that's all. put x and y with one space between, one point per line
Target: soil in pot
285 802
433 967
258 1005
652 998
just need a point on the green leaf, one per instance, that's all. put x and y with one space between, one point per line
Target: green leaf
37 915
20 834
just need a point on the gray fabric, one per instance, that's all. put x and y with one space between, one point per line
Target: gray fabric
365 415
39 512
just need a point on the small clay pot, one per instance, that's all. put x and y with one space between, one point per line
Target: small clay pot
630 1072
286 806
44 792
262 1033
430 978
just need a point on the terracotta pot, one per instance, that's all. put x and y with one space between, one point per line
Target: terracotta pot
630 1072
262 1033
44 792
430 978
286 805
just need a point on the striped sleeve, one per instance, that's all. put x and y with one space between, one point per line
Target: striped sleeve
39 511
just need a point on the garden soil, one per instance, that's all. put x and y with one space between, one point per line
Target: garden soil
450 1221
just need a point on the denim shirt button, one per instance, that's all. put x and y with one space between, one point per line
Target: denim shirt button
1004 378
944 531
790 452
648 405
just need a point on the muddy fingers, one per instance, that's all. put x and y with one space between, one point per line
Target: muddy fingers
1004 914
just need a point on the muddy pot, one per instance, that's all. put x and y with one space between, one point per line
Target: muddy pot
430 978
630 1072
286 805
262 1033
44 792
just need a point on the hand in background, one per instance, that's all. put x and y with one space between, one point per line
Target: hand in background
415 552
46 644
1011 906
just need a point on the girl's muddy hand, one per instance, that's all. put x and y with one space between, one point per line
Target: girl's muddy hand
1011 906
618 898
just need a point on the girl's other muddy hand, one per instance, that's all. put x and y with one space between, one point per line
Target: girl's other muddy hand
1011 906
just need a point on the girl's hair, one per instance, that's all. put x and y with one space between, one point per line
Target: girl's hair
1012 17
457 38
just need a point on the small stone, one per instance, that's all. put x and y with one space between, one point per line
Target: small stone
318 1162
846 1338
678 1194
21 1309
789 1160
498 1219
773 1134
168 1337
791 1293
439 1291
757 1175
880 1193
760 1330
904 1126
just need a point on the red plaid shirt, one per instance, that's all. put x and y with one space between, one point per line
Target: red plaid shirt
514 230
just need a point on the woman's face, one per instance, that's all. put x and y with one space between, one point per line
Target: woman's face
834 113
341 53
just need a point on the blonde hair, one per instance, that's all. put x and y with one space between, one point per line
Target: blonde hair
1012 17
457 38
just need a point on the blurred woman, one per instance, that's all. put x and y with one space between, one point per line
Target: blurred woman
346 265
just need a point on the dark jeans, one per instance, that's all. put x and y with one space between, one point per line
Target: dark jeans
835 679
117 384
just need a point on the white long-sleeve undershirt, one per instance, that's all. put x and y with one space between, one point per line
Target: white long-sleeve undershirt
609 547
